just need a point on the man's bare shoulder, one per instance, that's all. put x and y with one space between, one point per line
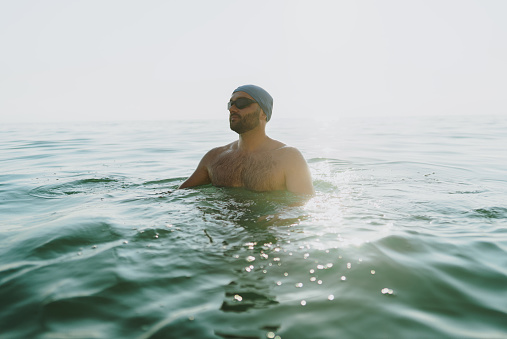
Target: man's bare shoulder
217 151
229 147
290 156
289 152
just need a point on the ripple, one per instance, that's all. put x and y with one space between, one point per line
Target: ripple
490 213
63 236
82 186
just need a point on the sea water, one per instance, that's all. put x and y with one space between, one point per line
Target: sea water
406 236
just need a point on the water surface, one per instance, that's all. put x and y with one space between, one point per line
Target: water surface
405 238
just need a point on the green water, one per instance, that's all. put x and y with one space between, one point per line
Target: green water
405 238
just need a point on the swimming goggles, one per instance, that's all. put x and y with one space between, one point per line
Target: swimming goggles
240 103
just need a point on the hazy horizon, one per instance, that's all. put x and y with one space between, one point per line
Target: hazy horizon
160 60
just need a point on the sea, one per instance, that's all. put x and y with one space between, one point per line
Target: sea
406 236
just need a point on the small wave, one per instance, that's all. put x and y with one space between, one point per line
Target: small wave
328 160
68 235
489 213
152 233
165 181
167 185
82 186
94 180
467 192
250 296
57 242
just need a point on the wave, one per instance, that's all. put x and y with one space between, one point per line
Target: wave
81 186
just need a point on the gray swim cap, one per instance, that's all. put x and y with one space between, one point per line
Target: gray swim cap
260 95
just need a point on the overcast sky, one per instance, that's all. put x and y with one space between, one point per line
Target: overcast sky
146 60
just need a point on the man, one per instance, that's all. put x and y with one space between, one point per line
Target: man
255 161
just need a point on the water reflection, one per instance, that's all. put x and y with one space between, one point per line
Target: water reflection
243 296
252 211
268 219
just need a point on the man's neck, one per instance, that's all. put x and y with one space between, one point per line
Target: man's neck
253 140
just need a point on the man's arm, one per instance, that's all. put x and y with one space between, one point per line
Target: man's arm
200 175
297 174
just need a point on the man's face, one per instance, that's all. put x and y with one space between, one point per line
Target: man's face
246 119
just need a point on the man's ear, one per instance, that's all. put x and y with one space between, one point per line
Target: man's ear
264 116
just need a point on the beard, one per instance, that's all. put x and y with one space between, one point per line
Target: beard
246 123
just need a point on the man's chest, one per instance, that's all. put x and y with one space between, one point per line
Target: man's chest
260 172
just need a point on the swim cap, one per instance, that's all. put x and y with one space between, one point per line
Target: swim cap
260 95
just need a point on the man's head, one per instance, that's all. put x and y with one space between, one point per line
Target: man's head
244 113
260 96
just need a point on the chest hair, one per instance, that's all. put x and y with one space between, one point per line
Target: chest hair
252 171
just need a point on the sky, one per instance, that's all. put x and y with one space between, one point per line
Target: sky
101 60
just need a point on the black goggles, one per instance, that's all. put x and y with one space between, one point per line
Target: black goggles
240 103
